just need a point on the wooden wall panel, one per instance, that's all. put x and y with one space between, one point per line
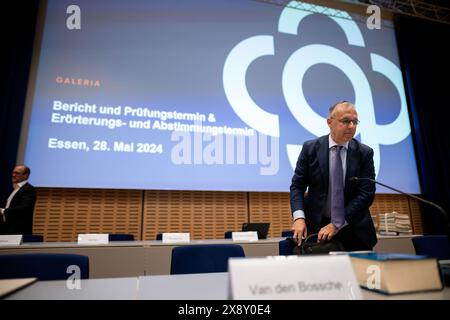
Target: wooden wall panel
273 207
205 214
61 214
416 216
390 202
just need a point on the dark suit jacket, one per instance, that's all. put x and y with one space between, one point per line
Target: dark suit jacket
19 215
312 171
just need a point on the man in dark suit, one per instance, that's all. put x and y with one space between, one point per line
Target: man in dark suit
17 215
335 207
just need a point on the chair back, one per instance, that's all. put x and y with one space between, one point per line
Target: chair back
32 238
159 236
285 247
436 246
44 266
203 258
287 233
228 234
120 237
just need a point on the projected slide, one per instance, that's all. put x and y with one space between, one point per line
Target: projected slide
207 95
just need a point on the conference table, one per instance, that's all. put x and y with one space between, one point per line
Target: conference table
202 286
122 259
135 258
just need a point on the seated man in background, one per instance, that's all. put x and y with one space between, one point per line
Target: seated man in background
17 215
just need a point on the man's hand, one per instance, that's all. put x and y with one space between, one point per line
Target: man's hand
327 232
299 228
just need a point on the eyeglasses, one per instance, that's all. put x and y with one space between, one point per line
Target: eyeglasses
18 173
348 121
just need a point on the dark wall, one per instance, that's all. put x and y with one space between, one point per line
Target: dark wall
17 28
424 53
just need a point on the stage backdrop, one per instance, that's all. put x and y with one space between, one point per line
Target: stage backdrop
206 95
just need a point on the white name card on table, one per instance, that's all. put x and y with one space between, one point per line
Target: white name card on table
93 238
244 236
321 277
172 237
11 240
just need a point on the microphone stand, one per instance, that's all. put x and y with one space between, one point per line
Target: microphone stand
406 194
411 196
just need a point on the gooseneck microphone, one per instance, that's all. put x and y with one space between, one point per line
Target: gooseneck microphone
406 194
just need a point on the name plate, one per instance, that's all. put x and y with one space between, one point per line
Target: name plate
245 236
93 238
11 240
175 237
293 277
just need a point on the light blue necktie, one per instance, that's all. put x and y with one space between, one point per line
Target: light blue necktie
337 191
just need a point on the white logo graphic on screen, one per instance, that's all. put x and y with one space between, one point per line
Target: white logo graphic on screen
248 50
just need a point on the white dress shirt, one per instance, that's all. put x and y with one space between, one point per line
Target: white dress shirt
17 187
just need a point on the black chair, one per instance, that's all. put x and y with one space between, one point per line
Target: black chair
203 258
32 238
436 246
228 234
120 237
44 266
159 236
287 233
285 247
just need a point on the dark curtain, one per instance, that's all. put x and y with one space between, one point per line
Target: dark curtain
424 54
17 29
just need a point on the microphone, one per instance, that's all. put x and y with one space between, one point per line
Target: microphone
406 194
